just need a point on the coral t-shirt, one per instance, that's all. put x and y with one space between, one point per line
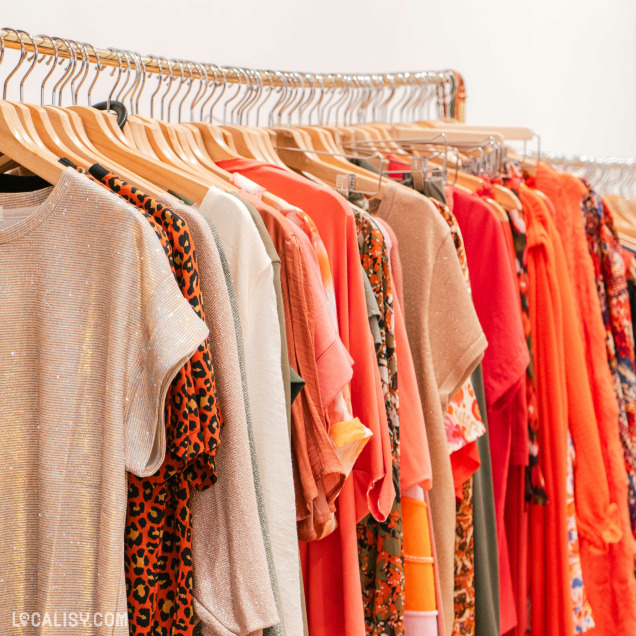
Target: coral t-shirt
330 566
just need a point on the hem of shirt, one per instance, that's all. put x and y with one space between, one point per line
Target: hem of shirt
335 352
211 624
521 361
330 495
425 483
463 367
384 501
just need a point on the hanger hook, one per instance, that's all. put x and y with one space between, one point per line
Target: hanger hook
285 94
326 97
98 69
258 91
267 94
189 83
132 56
86 62
23 54
119 69
61 83
342 100
306 101
250 95
2 47
332 99
78 52
34 57
317 90
169 80
307 89
126 61
283 84
55 56
298 86
351 96
203 83
385 104
142 83
237 73
214 70
179 85
378 98
223 84
160 74
291 95
238 108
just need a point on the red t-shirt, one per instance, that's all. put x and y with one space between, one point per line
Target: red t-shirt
506 359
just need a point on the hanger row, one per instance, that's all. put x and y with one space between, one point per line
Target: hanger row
359 97
612 175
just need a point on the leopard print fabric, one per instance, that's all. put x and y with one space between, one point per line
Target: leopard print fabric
158 545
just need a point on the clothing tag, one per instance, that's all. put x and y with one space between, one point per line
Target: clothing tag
417 172
345 183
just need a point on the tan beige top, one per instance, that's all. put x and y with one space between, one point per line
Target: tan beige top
447 343
232 589
94 327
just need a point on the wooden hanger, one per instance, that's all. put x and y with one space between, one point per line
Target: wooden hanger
510 133
68 125
158 173
213 141
41 130
293 151
246 142
323 141
191 150
506 198
499 211
16 143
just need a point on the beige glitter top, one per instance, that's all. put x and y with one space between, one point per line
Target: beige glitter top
93 328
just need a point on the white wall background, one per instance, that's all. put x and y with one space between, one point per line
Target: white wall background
566 68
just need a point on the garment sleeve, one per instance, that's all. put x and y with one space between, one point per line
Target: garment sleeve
163 332
456 338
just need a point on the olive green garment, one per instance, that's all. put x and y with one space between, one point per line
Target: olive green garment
485 530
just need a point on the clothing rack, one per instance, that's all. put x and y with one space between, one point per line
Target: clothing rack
65 48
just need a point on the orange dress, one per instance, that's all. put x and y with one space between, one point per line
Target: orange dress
564 402
609 578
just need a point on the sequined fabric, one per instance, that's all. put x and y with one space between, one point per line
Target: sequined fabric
95 328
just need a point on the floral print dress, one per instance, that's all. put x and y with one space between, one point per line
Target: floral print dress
611 285
381 544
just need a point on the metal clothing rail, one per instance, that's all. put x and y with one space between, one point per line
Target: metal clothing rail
611 175
445 80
